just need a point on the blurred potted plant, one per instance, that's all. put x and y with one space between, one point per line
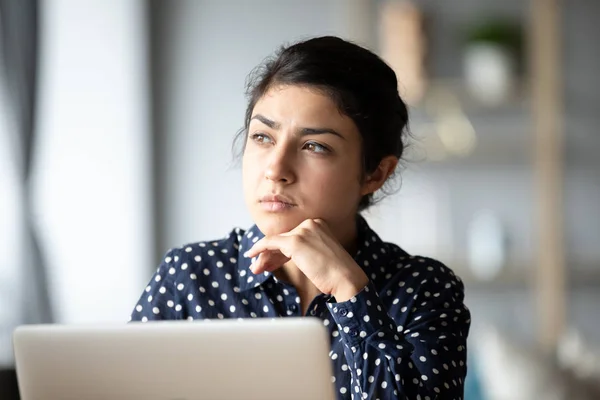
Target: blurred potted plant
491 59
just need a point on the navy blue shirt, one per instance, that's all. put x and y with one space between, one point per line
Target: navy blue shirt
403 336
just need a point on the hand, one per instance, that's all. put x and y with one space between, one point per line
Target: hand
314 250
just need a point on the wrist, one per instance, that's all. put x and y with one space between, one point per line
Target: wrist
350 286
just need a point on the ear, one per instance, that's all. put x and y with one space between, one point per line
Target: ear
377 178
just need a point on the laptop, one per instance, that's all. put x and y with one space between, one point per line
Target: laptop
284 358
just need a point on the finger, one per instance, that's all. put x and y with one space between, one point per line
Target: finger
273 243
314 225
258 262
268 261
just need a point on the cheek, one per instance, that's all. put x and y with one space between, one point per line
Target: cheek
249 175
340 184
250 167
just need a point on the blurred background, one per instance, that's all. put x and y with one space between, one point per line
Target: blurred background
117 119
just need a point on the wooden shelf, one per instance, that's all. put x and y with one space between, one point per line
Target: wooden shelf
446 91
502 133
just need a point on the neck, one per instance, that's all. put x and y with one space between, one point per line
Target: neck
347 235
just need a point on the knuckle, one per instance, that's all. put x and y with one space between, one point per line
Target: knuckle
310 224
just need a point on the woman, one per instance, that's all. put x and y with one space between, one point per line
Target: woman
324 130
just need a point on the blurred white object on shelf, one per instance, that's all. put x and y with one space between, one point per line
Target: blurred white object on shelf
486 245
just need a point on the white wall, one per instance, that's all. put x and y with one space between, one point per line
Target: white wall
92 170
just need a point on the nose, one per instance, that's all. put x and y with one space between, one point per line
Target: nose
280 166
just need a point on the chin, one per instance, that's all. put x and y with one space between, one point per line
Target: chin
276 223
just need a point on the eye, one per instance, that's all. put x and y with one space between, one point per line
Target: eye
260 138
316 148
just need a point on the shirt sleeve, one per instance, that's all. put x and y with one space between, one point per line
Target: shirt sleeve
160 300
425 359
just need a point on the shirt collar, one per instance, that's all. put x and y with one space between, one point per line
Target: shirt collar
248 280
370 255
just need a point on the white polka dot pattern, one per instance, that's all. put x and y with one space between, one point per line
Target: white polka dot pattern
403 336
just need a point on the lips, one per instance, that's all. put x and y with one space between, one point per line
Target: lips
277 198
276 203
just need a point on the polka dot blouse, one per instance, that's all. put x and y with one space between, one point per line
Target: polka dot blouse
403 336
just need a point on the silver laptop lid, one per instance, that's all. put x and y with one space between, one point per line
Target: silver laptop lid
176 360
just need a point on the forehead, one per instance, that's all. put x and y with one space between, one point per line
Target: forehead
302 106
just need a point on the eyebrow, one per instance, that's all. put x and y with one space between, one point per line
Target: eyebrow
305 131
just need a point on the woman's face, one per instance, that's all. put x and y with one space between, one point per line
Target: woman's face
302 160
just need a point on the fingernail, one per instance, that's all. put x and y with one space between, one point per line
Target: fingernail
246 254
